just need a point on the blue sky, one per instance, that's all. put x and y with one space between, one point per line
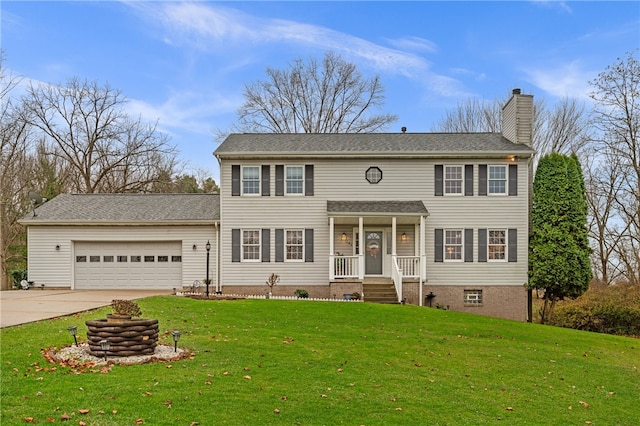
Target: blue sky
185 63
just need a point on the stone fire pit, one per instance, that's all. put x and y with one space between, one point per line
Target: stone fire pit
127 337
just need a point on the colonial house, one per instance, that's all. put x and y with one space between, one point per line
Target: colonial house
435 219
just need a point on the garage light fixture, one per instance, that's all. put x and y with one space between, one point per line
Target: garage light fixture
57 246
176 336
73 330
105 345
195 247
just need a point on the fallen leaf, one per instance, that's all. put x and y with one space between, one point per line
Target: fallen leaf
398 408
65 416
29 419
139 421
147 393
284 398
208 382
82 424
584 404
84 411
340 370
114 411
247 377
509 408
51 420
167 402
276 411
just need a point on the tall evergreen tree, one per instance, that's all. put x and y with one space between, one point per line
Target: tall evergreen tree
559 262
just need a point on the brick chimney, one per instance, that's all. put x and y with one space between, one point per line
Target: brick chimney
517 118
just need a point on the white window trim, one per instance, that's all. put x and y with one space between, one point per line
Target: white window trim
444 181
444 245
243 245
286 187
506 180
252 194
506 245
286 259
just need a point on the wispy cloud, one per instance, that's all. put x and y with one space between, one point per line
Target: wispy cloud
568 79
207 27
555 4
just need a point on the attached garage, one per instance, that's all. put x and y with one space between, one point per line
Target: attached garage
123 241
128 265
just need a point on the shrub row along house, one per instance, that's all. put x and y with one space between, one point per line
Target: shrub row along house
436 219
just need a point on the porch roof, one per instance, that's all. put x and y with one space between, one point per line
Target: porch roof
368 208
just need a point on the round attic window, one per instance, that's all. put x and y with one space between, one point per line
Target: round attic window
373 175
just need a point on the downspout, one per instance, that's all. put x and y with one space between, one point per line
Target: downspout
217 258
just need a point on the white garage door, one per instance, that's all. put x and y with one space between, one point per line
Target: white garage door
128 265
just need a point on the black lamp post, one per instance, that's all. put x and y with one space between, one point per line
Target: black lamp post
208 247
176 336
73 330
105 345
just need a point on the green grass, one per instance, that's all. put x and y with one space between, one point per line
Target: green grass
328 364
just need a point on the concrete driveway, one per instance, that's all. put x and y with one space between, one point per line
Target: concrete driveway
23 306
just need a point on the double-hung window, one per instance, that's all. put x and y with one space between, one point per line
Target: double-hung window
295 180
251 245
497 244
497 180
453 244
453 180
251 180
295 244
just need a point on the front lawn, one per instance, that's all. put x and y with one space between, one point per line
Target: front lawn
259 362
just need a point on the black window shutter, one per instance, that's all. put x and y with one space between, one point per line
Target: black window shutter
279 245
439 246
468 245
439 171
513 179
308 245
266 184
482 179
235 179
235 245
512 249
468 180
279 180
266 245
308 180
482 245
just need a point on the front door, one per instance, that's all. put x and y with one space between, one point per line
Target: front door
373 253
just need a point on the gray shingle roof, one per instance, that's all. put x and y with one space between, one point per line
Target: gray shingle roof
388 144
127 208
387 207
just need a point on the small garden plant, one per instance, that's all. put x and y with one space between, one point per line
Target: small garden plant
301 293
272 281
126 307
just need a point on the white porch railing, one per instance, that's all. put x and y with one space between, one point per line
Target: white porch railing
344 266
396 276
409 265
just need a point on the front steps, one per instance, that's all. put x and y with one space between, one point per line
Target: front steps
379 290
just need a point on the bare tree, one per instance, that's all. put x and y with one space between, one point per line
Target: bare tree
312 97
616 116
87 127
15 140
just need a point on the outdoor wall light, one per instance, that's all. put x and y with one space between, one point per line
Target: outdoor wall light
176 336
105 345
403 237
57 246
73 330
344 236
194 247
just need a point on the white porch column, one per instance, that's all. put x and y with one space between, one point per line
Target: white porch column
361 248
423 259
332 272
393 237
